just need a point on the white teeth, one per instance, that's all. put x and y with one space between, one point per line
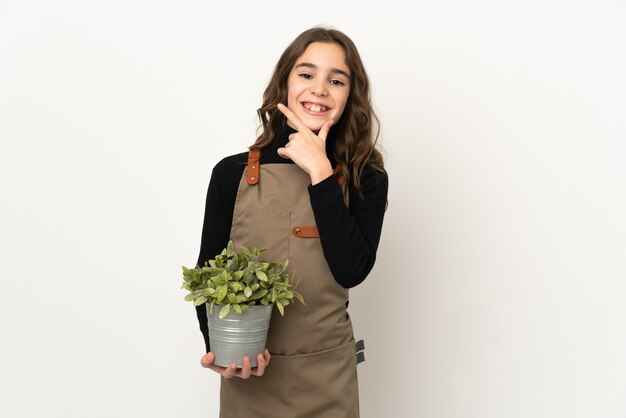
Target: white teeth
315 108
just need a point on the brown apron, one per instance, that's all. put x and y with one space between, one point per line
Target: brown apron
312 372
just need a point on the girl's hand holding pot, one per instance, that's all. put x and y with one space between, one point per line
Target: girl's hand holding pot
263 360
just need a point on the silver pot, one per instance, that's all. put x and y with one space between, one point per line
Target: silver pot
238 335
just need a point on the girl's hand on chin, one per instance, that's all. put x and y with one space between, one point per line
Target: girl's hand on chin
307 149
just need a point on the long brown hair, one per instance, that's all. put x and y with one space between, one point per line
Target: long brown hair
358 127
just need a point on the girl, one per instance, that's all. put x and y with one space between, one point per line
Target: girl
311 189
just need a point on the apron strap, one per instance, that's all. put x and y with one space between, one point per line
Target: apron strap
254 161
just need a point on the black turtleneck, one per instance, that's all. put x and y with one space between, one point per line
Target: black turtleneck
349 235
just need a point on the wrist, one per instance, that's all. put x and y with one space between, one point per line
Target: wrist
321 173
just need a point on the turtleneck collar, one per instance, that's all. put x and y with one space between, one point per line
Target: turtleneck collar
282 137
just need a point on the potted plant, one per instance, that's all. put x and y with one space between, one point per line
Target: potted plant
245 289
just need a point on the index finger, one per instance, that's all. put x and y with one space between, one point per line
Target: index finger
293 118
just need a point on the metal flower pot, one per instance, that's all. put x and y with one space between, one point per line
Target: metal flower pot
238 335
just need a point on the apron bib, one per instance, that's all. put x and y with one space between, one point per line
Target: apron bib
312 372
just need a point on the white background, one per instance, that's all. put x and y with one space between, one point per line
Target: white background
499 287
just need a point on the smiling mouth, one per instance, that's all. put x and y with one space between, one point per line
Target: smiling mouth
315 108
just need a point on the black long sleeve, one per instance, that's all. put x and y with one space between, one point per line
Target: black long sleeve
218 217
349 236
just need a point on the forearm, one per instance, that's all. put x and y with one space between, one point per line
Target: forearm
349 237
218 215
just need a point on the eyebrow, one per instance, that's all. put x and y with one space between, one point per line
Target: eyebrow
332 70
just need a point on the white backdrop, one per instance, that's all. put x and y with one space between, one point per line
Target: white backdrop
500 282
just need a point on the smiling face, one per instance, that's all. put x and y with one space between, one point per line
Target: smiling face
319 85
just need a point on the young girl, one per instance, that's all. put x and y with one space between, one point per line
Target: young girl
311 189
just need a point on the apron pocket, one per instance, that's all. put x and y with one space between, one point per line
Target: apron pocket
324 383
274 239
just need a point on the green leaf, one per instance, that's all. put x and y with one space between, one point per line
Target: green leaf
200 301
280 307
247 291
246 252
237 308
224 311
299 297
221 292
190 297
258 294
282 285
238 275
236 286
261 275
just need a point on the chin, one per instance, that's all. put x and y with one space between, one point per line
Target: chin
313 126
317 125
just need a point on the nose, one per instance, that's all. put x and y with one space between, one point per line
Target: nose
319 89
